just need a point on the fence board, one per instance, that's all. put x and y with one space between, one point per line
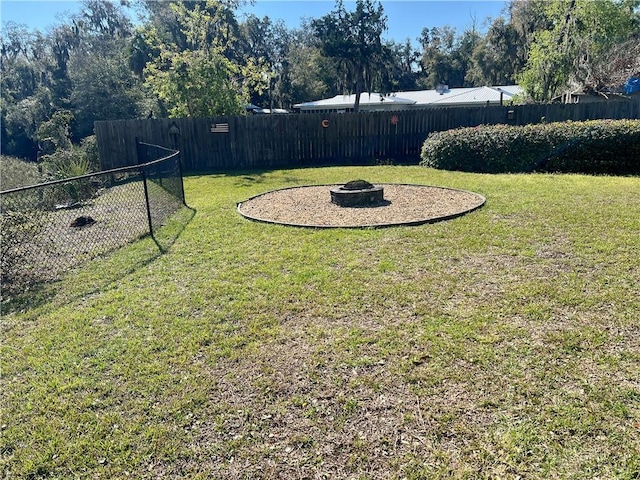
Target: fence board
271 141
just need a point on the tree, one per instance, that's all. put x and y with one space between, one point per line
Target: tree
190 55
401 67
614 69
583 32
463 55
24 102
311 74
196 84
20 121
495 58
55 132
269 44
70 67
103 70
98 64
100 19
188 24
438 45
352 40
194 77
527 17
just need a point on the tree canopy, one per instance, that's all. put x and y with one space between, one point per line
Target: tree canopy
580 37
352 40
190 73
200 58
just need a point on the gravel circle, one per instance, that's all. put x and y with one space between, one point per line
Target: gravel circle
310 206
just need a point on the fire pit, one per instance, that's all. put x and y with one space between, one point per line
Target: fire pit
357 193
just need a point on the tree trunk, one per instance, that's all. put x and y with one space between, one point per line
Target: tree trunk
359 88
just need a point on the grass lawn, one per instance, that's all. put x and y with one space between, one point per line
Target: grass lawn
502 344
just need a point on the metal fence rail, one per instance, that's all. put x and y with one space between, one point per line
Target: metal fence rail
51 227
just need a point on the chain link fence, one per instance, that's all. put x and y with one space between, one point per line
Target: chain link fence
49 228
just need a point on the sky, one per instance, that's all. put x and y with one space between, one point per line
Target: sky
406 18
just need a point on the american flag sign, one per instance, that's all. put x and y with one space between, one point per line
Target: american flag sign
219 128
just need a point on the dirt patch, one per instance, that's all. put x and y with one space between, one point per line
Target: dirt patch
310 206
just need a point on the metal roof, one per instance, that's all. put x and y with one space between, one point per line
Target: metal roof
418 99
347 101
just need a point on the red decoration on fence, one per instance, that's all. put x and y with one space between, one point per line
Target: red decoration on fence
395 120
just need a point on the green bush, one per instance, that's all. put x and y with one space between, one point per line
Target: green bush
594 147
70 162
89 148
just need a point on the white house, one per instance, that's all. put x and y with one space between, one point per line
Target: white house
443 96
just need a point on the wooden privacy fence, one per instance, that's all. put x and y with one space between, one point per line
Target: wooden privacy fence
273 141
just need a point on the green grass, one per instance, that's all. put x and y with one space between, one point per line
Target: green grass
502 344
15 173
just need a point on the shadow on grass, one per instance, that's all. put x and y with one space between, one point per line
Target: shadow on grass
169 233
103 272
248 178
243 178
295 175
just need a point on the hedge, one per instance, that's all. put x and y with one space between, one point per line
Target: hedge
593 147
